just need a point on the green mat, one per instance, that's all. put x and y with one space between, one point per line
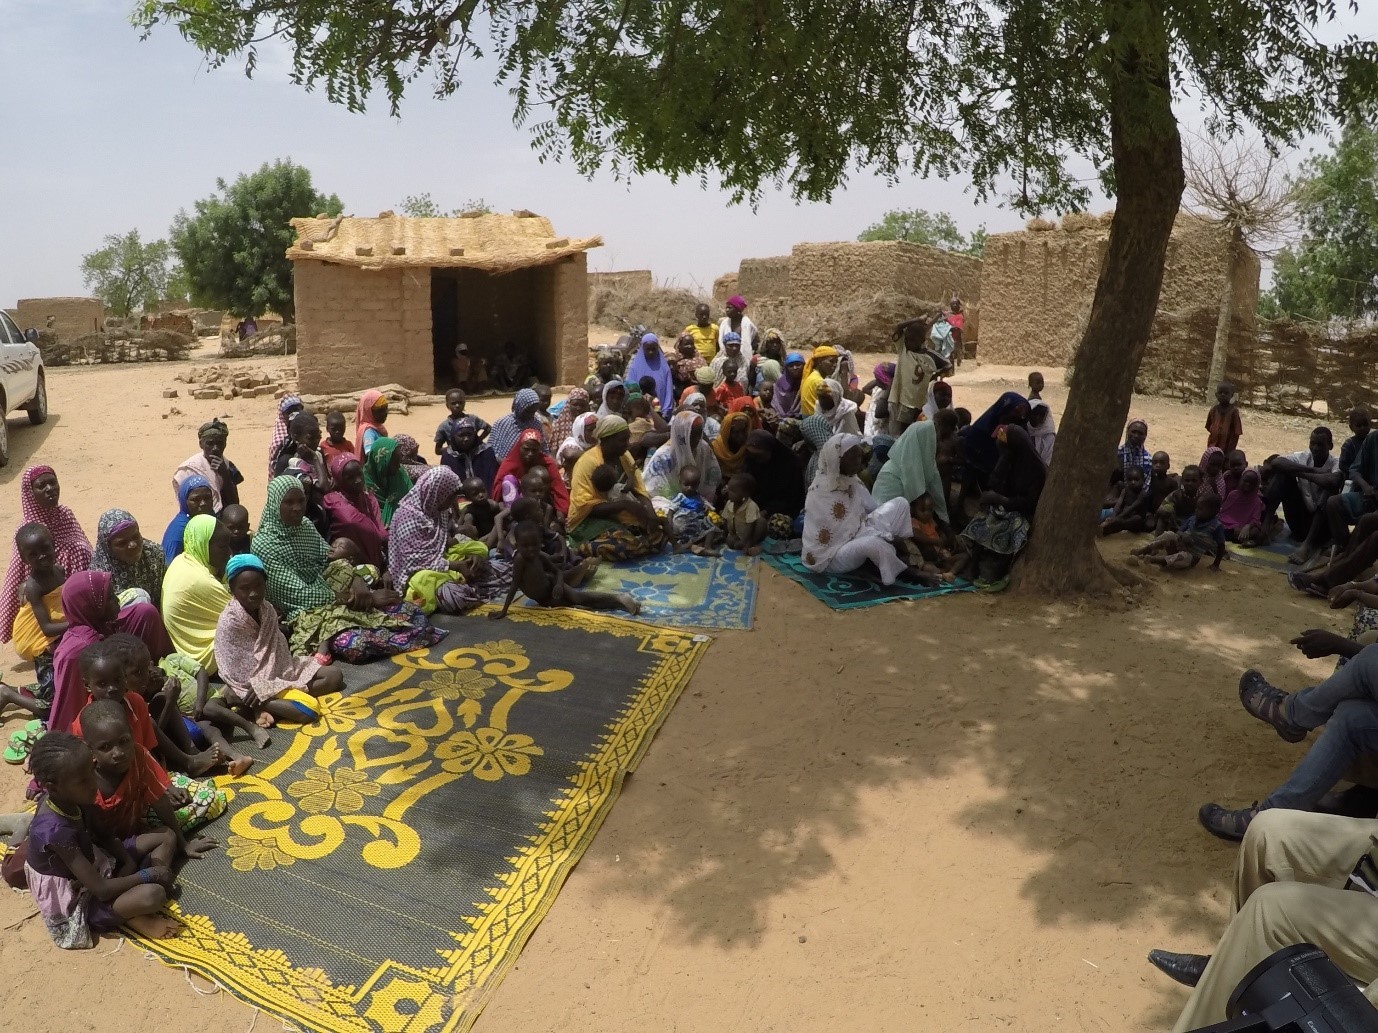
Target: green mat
382 868
848 591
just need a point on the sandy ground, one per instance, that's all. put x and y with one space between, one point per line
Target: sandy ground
968 814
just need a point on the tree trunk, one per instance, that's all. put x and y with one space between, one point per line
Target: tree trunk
1062 558
1220 352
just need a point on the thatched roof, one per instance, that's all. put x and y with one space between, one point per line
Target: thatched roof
491 243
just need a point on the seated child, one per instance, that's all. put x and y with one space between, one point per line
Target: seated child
84 881
335 443
1242 512
130 784
963 417
1178 507
478 507
40 622
1202 533
1162 483
235 521
742 518
1132 510
261 675
690 522
931 556
168 731
1237 462
456 401
947 453
730 389
639 418
538 577
608 481
535 484
528 508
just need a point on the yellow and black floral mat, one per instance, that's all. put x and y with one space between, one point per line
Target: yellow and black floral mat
381 868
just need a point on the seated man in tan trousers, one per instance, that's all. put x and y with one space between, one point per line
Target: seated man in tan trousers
1289 888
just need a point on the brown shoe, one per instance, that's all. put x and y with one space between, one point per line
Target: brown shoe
1265 702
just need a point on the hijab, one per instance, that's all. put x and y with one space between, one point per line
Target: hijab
731 462
816 430
564 423
363 419
843 408
1044 435
823 351
979 447
387 484
72 547
356 515
478 462
280 431
657 367
294 557
1217 483
1020 474
172 537
146 572
663 467
835 507
512 466
423 526
603 409
193 597
506 431
912 469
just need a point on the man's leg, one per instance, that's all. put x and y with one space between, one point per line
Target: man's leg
1294 509
1289 878
1358 679
1351 733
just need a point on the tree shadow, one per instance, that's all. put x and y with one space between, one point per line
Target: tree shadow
1098 733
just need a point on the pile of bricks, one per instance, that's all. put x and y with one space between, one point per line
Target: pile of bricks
212 382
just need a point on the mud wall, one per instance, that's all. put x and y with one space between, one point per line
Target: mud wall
71 317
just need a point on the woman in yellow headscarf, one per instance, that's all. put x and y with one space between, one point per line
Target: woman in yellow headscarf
819 368
193 595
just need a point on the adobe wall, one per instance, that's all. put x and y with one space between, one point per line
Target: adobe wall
72 317
759 279
357 328
1038 285
569 317
630 280
819 271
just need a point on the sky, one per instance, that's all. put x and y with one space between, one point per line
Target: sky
105 132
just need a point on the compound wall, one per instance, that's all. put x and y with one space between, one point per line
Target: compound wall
71 317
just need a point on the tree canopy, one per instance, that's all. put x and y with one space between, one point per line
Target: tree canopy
234 244
128 274
1333 269
920 227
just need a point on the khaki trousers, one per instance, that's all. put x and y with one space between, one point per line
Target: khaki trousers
1292 865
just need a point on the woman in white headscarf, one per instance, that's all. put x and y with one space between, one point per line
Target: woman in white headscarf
839 410
581 439
1042 429
688 446
698 402
844 527
614 398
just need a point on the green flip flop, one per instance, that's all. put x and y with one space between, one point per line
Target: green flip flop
21 742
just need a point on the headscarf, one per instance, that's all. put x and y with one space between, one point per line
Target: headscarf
172 537
785 399
1020 474
387 485
1217 485
885 374
817 430
478 462
356 516
835 507
410 451
193 597
737 302
843 408
280 430
912 469
731 462
423 526
241 562
512 467
147 571
823 351
979 448
779 479
580 440
503 437
657 367
73 548
252 655
1238 509
663 467
1043 436
749 407
564 423
293 557
363 419
607 426
705 376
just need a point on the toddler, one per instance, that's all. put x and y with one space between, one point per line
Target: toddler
480 510
690 521
540 579
1201 534
1132 509
1035 385
1180 504
640 422
455 401
929 555
235 521
741 517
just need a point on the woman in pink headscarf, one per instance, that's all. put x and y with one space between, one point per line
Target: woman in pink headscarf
370 418
38 502
354 512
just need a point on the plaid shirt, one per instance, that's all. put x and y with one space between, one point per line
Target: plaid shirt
1136 457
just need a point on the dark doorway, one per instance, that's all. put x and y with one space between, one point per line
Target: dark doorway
486 311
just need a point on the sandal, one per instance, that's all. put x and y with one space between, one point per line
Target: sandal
21 742
1226 824
1265 702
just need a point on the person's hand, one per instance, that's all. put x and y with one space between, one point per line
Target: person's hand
499 615
382 598
178 797
160 874
216 463
360 596
1343 596
126 867
1315 643
198 848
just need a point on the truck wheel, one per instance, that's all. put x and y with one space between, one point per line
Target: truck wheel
38 408
4 439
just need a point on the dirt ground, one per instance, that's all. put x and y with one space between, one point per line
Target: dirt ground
967 814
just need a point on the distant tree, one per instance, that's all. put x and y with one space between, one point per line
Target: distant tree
423 206
1333 270
234 245
128 274
920 227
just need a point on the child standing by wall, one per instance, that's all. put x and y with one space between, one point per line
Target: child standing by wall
1224 427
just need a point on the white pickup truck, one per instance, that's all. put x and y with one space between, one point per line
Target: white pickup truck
23 382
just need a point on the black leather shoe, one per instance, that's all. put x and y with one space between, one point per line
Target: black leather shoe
1184 968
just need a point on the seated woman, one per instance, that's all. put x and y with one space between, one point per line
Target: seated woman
844 527
467 455
779 482
288 406
222 475
431 563
132 561
619 523
996 536
1043 429
529 455
911 471
385 478
251 652
39 494
193 594
979 452
93 614
195 496
837 408
579 441
526 405
686 447
729 447
354 512
329 607
409 455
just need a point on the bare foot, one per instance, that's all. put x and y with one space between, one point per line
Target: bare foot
755 550
240 764
948 578
202 762
628 603
155 927
261 737
264 720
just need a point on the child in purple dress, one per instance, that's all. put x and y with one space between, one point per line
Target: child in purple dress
83 881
